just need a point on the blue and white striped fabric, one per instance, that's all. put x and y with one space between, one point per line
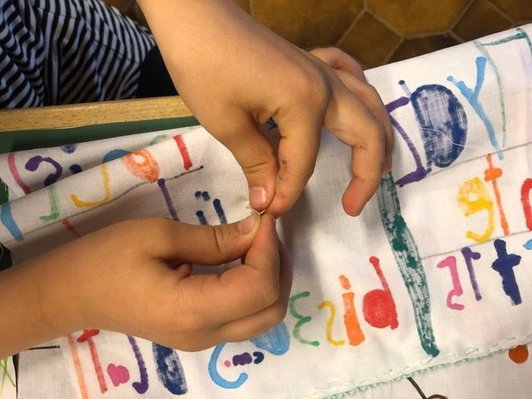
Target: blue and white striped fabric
67 51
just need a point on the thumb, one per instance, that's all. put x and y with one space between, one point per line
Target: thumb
206 245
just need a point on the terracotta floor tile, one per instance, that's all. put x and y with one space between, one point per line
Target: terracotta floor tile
369 41
517 10
373 39
479 20
414 47
418 17
307 23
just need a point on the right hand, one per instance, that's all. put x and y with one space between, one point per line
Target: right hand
235 74
135 277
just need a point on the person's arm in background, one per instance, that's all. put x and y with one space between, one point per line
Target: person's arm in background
235 74
134 277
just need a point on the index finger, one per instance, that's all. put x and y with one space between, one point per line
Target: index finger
300 132
355 125
369 96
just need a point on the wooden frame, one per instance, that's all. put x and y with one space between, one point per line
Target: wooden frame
76 115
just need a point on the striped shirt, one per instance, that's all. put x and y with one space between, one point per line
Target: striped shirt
68 51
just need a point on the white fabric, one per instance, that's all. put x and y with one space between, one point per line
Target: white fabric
403 263
7 379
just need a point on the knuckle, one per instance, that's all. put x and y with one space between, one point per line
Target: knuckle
335 52
361 146
270 294
369 91
291 169
312 85
220 239
374 135
257 168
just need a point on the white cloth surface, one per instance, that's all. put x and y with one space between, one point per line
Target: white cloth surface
434 272
8 388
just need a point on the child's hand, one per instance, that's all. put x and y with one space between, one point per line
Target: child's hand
235 75
134 277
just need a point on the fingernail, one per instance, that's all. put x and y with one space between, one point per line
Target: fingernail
257 197
245 226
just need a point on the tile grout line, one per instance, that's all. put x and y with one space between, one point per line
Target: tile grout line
458 19
461 15
351 25
392 53
500 12
385 23
455 37
392 29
